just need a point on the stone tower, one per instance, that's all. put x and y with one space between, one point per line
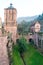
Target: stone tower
10 17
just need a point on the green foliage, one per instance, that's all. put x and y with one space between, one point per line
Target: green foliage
32 56
22 45
40 17
16 57
23 27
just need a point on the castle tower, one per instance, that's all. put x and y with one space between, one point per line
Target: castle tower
10 16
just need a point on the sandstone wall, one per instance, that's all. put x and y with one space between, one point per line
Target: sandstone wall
3 51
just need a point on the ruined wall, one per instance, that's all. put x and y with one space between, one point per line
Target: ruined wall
3 51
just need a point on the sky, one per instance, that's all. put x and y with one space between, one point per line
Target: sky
24 7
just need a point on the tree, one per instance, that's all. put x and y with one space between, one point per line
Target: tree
22 47
23 27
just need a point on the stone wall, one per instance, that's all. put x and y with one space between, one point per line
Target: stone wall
3 51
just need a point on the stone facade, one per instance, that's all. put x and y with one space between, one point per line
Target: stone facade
3 51
10 25
35 27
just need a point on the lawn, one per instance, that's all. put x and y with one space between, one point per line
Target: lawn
32 56
16 57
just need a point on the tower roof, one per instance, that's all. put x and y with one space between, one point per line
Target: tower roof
10 7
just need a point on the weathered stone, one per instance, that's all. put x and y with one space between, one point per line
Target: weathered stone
3 51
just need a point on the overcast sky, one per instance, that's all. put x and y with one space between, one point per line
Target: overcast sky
24 7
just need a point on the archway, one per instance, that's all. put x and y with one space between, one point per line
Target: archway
31 41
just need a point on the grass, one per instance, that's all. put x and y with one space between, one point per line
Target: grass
16 57
32 56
